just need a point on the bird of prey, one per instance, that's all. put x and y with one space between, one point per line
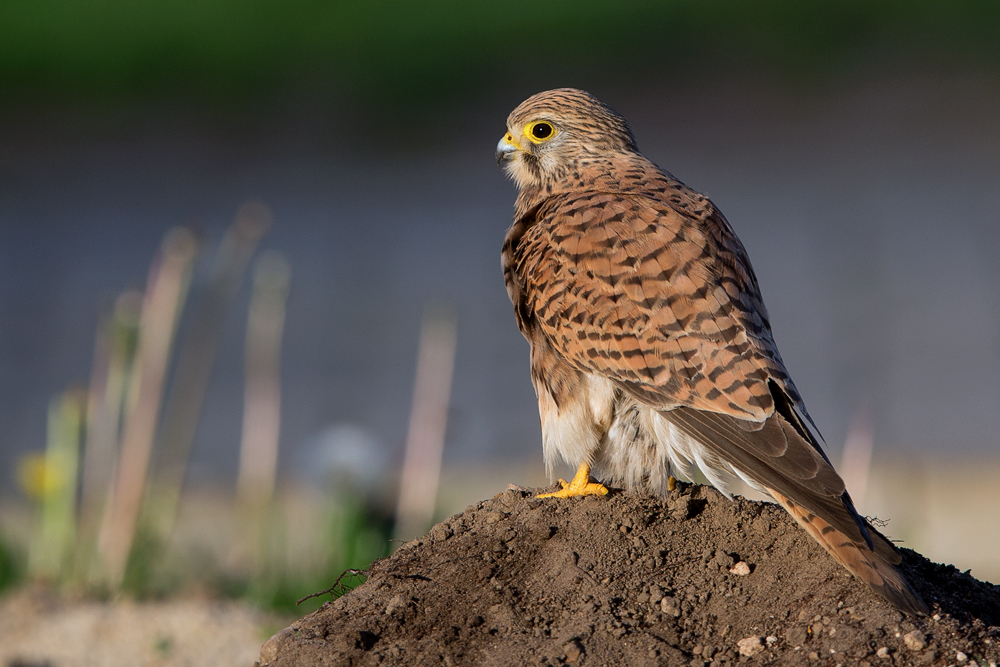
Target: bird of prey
651 348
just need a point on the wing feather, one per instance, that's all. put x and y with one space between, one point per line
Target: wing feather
666 305
655 290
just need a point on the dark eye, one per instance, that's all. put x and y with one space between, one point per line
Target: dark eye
541 131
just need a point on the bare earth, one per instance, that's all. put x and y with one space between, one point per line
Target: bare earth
40 629
692 579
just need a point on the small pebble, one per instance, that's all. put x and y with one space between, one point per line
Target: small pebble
750 646
670 606
771 640
741 569
961 657
882 652
915 640
574 651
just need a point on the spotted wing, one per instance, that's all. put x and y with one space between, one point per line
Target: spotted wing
664 303
661 302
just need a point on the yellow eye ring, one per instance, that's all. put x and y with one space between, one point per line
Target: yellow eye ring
539 131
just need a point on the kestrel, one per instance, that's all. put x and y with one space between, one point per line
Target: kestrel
651 348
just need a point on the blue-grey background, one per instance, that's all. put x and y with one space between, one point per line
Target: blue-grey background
863 181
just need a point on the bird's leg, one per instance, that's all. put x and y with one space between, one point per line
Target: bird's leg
580 486
671 483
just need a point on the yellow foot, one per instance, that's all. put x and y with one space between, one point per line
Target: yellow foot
580 486
671 483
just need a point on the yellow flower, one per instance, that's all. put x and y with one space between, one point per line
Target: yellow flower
39 478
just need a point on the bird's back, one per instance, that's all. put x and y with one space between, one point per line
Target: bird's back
635 274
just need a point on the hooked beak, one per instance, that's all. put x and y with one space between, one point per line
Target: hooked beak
506 149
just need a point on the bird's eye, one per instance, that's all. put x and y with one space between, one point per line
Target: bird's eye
540 131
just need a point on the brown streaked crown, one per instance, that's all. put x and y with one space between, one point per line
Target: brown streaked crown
585 128
593 124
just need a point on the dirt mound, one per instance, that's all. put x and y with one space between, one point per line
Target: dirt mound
692 579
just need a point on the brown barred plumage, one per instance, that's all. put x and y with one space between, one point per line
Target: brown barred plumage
651 348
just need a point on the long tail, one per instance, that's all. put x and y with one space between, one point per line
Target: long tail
859 560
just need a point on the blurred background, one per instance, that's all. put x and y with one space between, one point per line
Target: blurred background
250 294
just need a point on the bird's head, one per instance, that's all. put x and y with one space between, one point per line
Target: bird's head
549 133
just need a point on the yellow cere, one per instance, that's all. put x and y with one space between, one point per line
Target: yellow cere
540 131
